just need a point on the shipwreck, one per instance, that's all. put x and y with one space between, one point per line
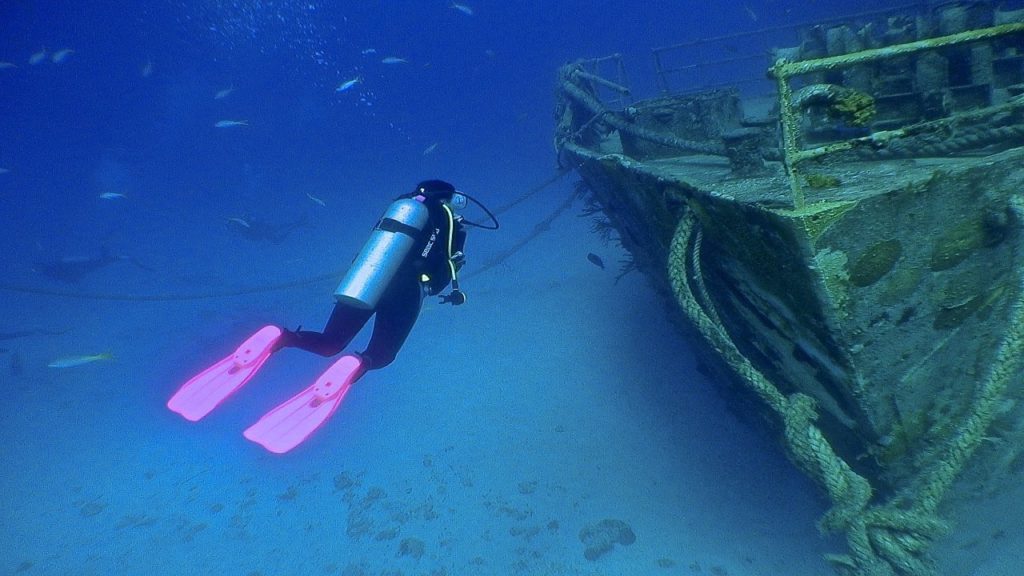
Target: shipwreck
844 232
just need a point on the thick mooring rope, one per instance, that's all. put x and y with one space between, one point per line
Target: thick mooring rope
988 397
613 119
970 138
883 541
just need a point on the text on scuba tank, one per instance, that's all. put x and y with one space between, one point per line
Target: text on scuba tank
430 243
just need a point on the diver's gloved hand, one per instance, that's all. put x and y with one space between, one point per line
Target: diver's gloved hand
456 298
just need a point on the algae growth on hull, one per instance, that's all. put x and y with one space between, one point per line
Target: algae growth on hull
866 291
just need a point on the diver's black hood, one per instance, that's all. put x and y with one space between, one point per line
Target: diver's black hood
435 189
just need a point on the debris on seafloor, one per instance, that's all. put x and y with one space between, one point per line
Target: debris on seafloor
601 537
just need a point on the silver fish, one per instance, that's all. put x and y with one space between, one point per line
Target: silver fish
462 8
349 84
72 361
61 55
393 60
223 93
230 123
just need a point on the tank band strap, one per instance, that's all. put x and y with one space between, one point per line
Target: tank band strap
392 225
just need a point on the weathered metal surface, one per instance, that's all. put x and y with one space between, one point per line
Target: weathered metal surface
860 252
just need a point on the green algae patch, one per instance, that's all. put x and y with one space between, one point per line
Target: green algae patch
876 262
954 314
855 107
957 244
821 181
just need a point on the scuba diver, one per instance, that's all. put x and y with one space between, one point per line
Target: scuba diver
415 250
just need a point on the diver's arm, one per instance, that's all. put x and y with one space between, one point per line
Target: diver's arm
455 261
458 247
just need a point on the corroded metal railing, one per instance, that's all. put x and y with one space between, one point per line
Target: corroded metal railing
783 71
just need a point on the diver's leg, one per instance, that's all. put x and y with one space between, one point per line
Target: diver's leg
396 315
343 325
288 425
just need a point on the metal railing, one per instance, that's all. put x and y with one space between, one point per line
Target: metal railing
784 71
738 60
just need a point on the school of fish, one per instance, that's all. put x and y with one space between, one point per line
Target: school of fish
147 69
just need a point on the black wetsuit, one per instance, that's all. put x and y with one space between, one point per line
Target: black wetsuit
399 306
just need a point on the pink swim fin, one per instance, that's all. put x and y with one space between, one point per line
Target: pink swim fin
286 426
205 391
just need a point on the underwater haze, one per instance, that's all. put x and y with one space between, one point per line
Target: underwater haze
176 174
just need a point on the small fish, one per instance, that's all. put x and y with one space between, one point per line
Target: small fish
393 60
72 361
750 12
5 65
230 123
61 55
430 148
4 170
223 93
368 51
240 221
348 84
462 8
315 199
37 57
112 196
595 260
147 69
24 333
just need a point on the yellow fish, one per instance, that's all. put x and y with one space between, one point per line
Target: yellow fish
72 361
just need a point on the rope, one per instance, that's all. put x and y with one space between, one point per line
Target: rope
173 297
298 283
988 396
970 139
537 188
538 229
883 541
889 539
598 110
698 278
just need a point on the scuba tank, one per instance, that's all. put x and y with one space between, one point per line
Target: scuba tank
383 254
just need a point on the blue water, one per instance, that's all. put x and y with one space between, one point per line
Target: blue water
555 399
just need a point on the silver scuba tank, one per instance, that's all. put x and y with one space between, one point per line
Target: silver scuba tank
382 255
